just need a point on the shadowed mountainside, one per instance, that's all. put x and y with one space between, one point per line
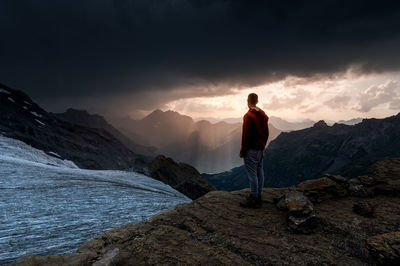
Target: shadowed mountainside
91 148
309 153
83 118
214 230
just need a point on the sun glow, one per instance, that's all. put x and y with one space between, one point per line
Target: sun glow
329 98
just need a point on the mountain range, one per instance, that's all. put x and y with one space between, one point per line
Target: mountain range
309 153
209 147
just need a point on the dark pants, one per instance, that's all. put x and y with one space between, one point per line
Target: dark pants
253 160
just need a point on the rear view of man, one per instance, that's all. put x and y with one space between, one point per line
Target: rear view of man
254 138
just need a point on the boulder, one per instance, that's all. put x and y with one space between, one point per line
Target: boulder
337 178
301 217
321 189
360 191
297 204
366 180
385 248
391 187
385 170
364 209
354 181
303 225
277 198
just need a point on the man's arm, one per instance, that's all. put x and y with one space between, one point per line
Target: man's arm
266 129
245 136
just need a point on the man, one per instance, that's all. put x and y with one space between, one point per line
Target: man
254 138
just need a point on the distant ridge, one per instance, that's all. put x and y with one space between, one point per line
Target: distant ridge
210 147
309 153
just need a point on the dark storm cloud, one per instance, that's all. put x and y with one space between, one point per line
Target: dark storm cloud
56 50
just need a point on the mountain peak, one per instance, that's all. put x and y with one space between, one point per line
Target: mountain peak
169 114
320 123
77 111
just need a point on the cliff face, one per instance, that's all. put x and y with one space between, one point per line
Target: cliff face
214 230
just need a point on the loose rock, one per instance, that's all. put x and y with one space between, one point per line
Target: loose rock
391 187
304 225
360 191
366 180
364 209
321 189
297 204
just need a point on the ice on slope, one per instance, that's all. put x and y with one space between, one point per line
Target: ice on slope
40 122
49 206
4 91
17 151
35 114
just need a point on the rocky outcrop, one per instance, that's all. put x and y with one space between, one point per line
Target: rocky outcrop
182 177
345 150
214 230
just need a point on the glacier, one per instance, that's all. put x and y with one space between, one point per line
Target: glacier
49 206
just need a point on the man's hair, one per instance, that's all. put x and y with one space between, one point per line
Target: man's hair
252 98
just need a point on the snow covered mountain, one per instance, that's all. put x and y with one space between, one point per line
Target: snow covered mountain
87 147
49 206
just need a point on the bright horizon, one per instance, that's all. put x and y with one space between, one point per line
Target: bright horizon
341 97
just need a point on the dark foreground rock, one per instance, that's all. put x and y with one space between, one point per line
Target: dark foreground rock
182 177
214 230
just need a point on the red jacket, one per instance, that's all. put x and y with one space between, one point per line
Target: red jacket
255 131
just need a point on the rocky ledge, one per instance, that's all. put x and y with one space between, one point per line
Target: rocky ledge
214 230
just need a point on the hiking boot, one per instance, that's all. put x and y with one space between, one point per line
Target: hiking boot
258 201
250 202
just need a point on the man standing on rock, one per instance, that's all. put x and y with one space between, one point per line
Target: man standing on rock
254 138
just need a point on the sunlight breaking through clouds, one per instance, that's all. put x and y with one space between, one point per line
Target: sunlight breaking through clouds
330 98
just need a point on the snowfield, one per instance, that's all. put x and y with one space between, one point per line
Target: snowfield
49 206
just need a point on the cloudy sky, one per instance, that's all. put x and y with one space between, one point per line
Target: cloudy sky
306 59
